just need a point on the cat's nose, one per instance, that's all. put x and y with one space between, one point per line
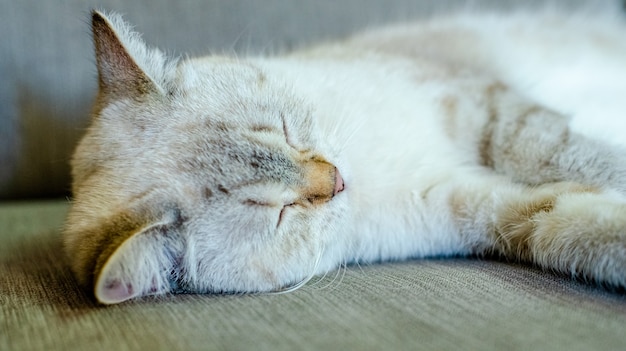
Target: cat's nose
322 181
339 185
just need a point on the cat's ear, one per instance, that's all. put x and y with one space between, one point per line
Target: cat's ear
127 68
137 259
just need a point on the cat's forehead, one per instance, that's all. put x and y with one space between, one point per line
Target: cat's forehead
233 91
216 74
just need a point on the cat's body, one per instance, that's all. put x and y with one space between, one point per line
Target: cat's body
223 174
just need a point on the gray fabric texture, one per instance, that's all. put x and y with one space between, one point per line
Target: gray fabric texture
456 304
49 79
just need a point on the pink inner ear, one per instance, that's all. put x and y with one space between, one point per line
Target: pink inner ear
115 291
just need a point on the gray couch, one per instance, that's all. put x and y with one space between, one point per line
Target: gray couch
48 82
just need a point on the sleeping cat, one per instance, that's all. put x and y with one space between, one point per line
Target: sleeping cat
465 135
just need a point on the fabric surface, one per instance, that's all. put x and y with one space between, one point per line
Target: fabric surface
456 304
49 79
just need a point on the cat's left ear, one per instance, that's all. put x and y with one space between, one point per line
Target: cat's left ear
140 256
127 67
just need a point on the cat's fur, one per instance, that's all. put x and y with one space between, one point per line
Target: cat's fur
448 137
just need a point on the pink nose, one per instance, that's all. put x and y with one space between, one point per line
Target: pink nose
339 185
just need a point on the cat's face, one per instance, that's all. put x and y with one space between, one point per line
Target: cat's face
207 177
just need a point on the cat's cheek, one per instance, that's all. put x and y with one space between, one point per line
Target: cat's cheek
335 232
289 256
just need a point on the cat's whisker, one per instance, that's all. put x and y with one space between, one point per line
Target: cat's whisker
343 270
293 287
243 31
303 282
349 138
353 131
320 279
327 285
338 274
358 265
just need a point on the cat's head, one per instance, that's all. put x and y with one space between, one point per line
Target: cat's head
203 175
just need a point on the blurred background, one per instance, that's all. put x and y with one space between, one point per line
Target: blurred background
48 77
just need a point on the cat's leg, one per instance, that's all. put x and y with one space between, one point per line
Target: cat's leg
570 228
534 145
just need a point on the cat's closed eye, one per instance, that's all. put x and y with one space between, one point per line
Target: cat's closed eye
283 212
283 130
264 129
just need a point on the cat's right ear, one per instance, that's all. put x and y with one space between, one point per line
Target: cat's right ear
127 68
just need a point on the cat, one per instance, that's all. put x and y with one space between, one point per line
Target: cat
465 135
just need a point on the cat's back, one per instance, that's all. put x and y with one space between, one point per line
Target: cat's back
572 62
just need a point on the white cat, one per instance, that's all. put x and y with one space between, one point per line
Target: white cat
447 137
